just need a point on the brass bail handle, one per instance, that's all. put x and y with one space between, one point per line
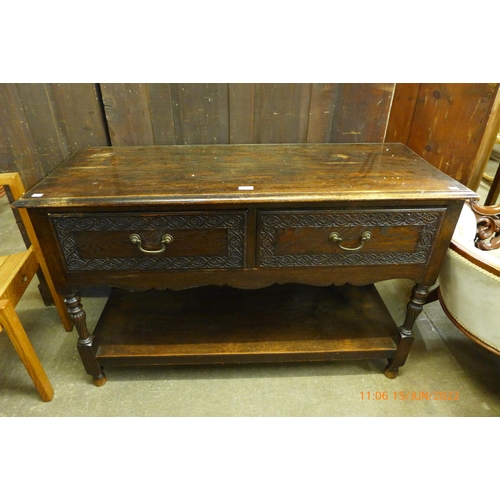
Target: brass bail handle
336 238
166 239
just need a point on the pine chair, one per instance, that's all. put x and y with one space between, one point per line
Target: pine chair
16 273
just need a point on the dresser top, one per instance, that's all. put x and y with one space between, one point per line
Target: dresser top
260 173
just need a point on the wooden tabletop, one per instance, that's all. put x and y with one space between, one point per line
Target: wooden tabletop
242 173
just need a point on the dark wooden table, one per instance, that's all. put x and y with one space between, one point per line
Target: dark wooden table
244 253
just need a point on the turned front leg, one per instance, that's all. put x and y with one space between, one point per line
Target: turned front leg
87 346
413 309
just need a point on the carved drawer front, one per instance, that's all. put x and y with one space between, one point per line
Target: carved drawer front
188 240
346 238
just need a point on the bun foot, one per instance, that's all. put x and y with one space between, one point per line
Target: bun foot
391 372
99 382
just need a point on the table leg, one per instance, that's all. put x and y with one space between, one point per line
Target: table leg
87 345
413 309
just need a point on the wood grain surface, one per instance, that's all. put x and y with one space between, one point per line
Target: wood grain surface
267 173
214 324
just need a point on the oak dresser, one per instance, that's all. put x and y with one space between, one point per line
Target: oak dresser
244 253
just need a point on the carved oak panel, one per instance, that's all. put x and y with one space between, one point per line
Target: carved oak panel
397 237
103 241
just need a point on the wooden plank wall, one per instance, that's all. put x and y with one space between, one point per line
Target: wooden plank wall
42 124
445 124
244 113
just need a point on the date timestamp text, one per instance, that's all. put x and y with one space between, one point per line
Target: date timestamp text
410 396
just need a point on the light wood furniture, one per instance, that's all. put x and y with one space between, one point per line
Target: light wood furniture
16 273
244 253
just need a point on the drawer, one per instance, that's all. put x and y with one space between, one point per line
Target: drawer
346 237
151 241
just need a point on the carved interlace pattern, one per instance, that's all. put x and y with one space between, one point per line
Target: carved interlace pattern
67 227
271 223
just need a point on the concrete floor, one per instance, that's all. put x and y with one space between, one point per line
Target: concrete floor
442 359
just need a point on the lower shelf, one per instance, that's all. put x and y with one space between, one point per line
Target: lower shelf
227 325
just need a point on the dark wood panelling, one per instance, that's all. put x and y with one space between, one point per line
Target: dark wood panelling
162 113
43 127
487 143
361 112
281 112
18 150
77 114
402 111
162 117
448 125
241 112
322 110
201 113
128 114
42 124
246 113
